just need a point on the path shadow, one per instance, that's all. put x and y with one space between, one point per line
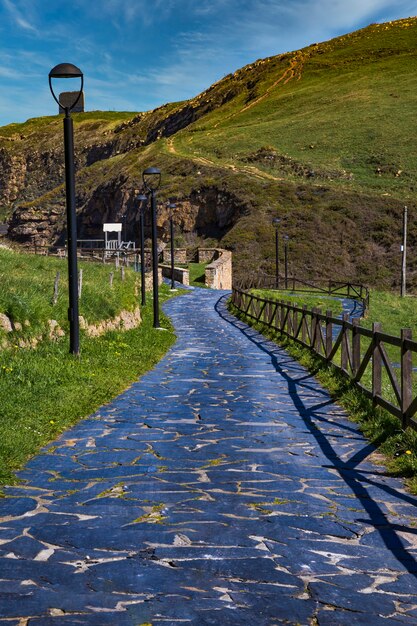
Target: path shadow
356 479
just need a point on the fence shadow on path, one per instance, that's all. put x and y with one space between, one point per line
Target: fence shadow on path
356 479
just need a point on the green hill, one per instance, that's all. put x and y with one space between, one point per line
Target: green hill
323 137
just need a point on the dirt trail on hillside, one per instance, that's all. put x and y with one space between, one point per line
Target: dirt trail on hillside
245 169
293 71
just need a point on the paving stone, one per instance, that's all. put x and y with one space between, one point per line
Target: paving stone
350 598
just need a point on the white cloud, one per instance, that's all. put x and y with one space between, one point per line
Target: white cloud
17 14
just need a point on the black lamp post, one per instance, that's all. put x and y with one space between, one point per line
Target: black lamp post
152 179
286 239
142 208
67 70
276 222
172 206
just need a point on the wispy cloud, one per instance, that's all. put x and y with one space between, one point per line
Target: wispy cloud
17 11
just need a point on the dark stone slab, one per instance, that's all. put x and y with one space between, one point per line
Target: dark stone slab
347 598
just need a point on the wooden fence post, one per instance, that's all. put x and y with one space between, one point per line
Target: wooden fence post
304 324
289 319
56 285
406 375
329 333
111 279
313 328
80 283
318 336
295 322
376 362
282 320
356 346
122 272
344 345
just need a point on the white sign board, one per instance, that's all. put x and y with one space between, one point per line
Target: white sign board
112 228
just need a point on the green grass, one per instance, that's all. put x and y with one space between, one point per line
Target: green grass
28 285
399 448
45 390
197 276
299 299
392 311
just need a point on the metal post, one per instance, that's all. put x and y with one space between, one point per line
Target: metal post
404 254
171 225
276 259
286 262
154 262
71 234
142 257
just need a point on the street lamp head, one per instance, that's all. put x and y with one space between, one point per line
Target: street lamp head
66 70
151 178
172 206
143 201
276 221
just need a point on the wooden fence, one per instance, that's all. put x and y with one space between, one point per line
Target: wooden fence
363 355
342 289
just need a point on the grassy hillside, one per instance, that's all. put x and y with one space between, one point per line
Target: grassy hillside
340 112
322 137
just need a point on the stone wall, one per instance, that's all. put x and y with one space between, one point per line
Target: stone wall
180 255
181 274
218 272
149 279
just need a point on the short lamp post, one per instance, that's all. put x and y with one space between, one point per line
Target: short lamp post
286 239
152 179
404 255
171 207
67 70
276 222
143 201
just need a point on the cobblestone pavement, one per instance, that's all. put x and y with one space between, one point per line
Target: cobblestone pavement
224 487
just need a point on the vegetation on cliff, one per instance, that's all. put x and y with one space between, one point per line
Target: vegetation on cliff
321 137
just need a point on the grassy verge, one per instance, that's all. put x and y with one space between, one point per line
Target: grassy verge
382 429
299 299
392 311
44 390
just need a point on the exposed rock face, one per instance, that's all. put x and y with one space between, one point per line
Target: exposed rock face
33 225
208 211
12 176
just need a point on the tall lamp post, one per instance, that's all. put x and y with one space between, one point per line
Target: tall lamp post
67 70
143 200
286 239
172 206
276 222
152 179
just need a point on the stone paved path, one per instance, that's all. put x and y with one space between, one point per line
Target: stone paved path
223 488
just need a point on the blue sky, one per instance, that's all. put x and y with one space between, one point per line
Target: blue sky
139 54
